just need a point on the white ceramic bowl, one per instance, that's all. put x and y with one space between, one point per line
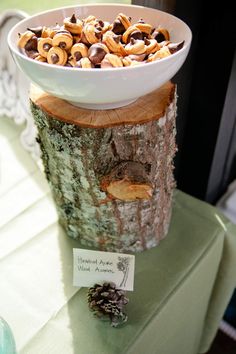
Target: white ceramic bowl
102 88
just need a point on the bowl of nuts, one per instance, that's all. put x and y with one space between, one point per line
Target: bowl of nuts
100 56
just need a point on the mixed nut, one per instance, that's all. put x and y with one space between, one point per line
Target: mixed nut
93 43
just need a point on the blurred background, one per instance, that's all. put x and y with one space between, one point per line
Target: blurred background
36 6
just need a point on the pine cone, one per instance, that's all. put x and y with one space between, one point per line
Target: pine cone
107 302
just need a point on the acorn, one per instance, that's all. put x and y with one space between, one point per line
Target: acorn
97 52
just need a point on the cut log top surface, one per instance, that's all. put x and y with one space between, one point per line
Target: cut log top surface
147 108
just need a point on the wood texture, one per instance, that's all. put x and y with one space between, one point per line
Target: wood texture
145 109
112 186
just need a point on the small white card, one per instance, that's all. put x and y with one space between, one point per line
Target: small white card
91 267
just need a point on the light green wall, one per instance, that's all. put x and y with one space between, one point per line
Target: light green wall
33 6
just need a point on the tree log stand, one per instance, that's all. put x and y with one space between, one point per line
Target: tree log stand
110 172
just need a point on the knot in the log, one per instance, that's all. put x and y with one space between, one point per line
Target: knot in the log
127 181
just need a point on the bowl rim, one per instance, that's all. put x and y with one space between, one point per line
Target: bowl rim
17 52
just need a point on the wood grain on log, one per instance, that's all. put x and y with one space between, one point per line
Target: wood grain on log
112 186
145 109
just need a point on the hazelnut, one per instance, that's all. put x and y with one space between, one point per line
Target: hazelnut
32 43
97 52
118 27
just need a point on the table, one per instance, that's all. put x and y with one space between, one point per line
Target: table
181 287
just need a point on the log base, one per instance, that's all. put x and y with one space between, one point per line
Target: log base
110 172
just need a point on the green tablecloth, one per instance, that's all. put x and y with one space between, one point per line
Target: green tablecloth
181 287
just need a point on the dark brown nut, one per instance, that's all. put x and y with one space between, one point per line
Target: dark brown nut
63 39
117 27
36 30
57 56
121 24
97 52
161 34
136 35
44 45
73 19
79 50
175 47
101 23
32 43
73 25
